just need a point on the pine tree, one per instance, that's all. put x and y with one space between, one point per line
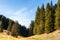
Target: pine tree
57 15
15 29
1 22
36 29
23 31
1 26
48 19
42 19
10 23
52 16
39 23
31 28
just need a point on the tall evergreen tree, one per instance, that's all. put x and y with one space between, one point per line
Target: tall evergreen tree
15 29
36 29
42 19
31 28
1 22
1 26
48 18
39 21
23 31
52 16
10 23
57 15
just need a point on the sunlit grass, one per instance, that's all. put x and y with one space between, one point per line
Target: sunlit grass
51 36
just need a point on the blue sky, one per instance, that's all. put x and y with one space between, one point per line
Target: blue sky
22 11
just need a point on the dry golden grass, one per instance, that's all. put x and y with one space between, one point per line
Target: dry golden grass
51 36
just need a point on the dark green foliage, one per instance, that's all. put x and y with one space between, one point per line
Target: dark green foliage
42 19
5 23
31 28
10 23
23 31
57 15
49 18
1 26
1 22
15 29
37 22
53 8
37 18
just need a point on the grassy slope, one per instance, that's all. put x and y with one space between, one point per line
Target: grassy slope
52 36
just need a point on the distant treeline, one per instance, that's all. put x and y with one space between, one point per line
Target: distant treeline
47 20
13 28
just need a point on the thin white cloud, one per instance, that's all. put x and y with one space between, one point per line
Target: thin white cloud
23 16
20 11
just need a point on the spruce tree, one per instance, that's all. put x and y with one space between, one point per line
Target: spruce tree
23 31
52 16
39 23
42 19
10 23
1 23
57 16
36 29
48 19
1 26
31 28
15 29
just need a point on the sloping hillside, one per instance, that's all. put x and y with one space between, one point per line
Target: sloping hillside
52 36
